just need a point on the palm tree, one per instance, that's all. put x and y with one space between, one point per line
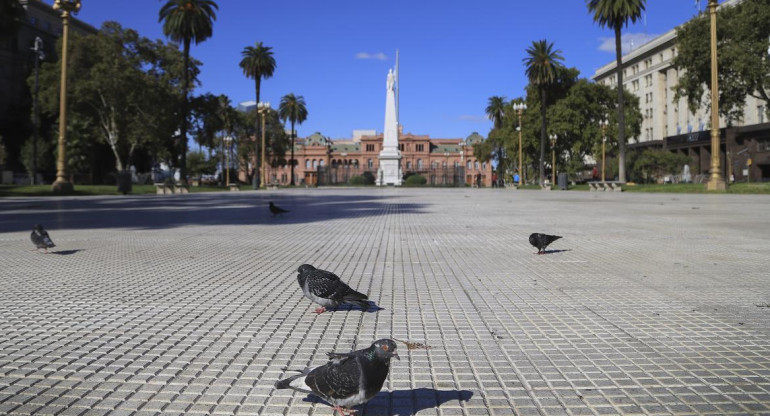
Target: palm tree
615 14
495 111
542 67
185 21
257 63
293 109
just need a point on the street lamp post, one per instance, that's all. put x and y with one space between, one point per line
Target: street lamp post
519 108
553 159
228 140
263 108
39 54
604 123
62 185
716 181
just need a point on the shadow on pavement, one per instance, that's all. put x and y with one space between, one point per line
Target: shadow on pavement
162 212
406 402
67 252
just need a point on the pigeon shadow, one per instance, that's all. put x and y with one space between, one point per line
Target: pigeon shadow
67 252
405 402
556 251
347 307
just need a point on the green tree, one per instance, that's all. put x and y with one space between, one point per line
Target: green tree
496 107
615 14
743 65
576 119
257 62
120 94
542 66
185 21
656 164
293 109
206 120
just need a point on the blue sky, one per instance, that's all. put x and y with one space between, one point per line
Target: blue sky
454 55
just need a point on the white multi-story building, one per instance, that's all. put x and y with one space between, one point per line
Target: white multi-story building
649 74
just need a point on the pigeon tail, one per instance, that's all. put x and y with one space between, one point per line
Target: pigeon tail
295 383
356 298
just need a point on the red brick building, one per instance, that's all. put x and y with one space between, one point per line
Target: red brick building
324 161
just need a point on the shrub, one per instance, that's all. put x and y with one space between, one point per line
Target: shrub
369 176
357 180
415 180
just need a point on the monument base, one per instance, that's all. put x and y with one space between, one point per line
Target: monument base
389 172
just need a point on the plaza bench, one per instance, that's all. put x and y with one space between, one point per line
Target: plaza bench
163 188
234 187
607 186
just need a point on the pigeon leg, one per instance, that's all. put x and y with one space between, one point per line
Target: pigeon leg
320 310
344 411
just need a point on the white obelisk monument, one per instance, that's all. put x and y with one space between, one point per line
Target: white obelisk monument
389 172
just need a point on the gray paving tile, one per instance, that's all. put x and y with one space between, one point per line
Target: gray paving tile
189 305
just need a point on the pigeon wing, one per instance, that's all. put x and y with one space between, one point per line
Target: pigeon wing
327 288
336 380
47 239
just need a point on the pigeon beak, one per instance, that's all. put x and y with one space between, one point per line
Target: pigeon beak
397 357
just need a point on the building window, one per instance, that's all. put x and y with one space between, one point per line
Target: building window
408 164
419 163
307 163
401 147
315 163
468 165
760 114
321 162
370 147
370 163
434 165
420 147
33 20
476 164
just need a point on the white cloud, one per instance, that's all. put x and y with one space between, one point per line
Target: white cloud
627 41
473 118
365 55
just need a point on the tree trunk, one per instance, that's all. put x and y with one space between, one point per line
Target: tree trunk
257 171
291 161
183 129
542 134
621 111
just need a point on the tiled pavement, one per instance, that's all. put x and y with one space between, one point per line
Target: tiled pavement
650 304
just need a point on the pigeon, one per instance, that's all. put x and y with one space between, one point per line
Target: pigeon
276 210
326 289
541 241
41 239
348 379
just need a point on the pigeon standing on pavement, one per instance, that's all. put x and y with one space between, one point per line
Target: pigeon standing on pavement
326 289
541 241
41 239
276 210
348 379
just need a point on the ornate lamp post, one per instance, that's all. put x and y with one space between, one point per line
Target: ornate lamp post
553 138
604 123
716 181
519 108
62 185
263 108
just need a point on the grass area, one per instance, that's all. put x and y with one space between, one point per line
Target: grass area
736 188
45 190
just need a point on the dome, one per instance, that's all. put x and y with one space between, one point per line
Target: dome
474 138
316 139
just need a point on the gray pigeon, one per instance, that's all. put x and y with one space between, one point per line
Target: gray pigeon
326 289
541 241
276 210
348 379
41 239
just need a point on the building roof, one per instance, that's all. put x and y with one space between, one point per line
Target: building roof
446 148
474 138
316 139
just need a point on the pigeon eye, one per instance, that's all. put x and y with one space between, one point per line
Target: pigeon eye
384 347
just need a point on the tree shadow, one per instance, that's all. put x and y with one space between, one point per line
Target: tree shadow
405 402
67 252
147 212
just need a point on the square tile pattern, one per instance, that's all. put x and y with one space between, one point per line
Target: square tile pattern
188 304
